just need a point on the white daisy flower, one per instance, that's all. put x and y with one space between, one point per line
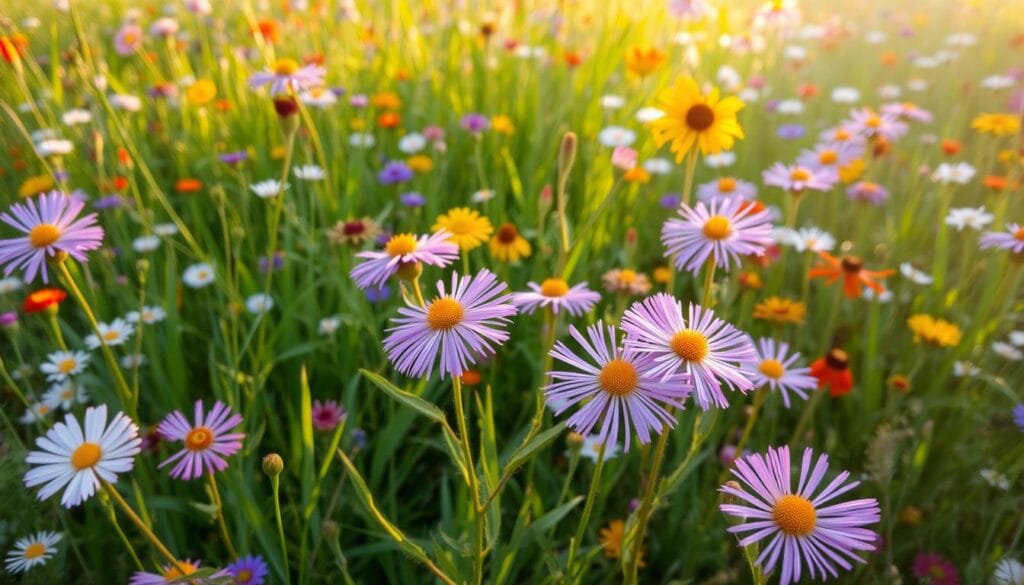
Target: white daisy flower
328 325
483 195
1016 338
259 303
1008 572
914 275
790 107
1007 351
889 92
612 102
749 95
969 217
961 369
145 244
845 95
132 361
114 333
318 97
614 136
947 173
126 102
995 479
32 551
148 315
412 143
77 457
917 84
61 365
997 82
76 116
36 412
726 158
361 140
870 295
10 284
268 188
198 275
54 147
592 444
645 115
658 166
65 394
874 37
165 229
308 173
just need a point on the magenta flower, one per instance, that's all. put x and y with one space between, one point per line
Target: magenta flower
710 350
797 178
1012 239
616 389
51 225
723 231
462 325
286 76
556 293
801 529
935 569
402 250
327 415
207 442
773 367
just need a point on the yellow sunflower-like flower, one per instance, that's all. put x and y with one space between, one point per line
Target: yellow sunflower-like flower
469 229
201 92
780 310
694 120
938 332
996 124
420 163
508 245
35 185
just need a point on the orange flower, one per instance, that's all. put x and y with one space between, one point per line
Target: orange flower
889 58
313 59
123 158
833 371
999 183
119 183
222 105
188 185
386 100
642 60
950 146
268 30
13 48
853 273
43 299
807 90
471 377
637 175
573 58
389 120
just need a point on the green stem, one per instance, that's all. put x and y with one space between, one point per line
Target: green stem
581 528
474 488
644 515
275 482
130 513
112 516
215 495
759 396
709 281
805 418
55 327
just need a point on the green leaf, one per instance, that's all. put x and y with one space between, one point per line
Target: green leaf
524 453
405 398
539 528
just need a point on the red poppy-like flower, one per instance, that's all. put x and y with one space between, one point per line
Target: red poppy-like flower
43 299
833 371
188 185
853 273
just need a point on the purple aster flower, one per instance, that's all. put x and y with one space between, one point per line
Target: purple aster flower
233 158
842 134
829 157
174 573
670 200
773 368
802 531
710 350
358 101
378 294
412 199
1018 416
287 77
867 191
723 231
726 187
338 91
359 438
8 319
394 172
870 124
249 570
556 293
474 123
616 388
51 225
907 110
1012 239
207 441
401 250
797 178
791 131
278 262
128 39
112 201
461 325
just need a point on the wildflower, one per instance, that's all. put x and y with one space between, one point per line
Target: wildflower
318 97
833 371
611 539
37 411
148 315
658 166
802 531
249 570
969 217
354 232
868 191
128 39
507 245
145 244
361 140
624 158
32 551
198 275
483 195
642 60
721 233
328 325
627 281
412 199
466 227
871 124
474 123
914 275
637 175
726 187
556 293
309 173
797 179
61 365
693 120
1012 239
773 368
853 273
1009 572
961 369
201 92
173 574
287 77
65 394
935 331
936 569
616 136
403 251
502 125
592 444
995 479
461 325
207 441
394 172
46 148
806 239
700 344
899 383
51 228
269 188
327 415
114 333
126 102
960 173
996 124
1005 350
907 110
35 185
78 456
44 299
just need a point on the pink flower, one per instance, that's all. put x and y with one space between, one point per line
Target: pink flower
128 39
327 415
207 442
624 158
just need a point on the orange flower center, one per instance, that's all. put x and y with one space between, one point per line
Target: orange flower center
841 135
717 227
198 439
627 276
554 287
1019 234
444 313
43 235
772 368
400 245
86 455
243 576
700 117
286 66
618 377
173 573
794 515
799 174
873 122
66 366
35 550
690 345
111 335
828 157
726 185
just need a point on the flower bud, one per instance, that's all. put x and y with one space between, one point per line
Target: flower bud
273 465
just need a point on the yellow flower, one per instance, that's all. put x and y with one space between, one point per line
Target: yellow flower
661 274
611 539
637 175
780 310
201 92
852 171
508 246
278 152
503 125
693 120
35 185
357 124
642 60
386 100
468 228
420 163
996 124
935 331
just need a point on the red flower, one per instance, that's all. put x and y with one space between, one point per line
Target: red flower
833 371
43 299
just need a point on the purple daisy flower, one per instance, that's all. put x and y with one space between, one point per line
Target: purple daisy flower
287 77
474 123
1018 416
51 225
616 387
870 124
908 111
723 231
207 442
797 178
726 187
791 131
233 158
394 172
868 191
174 573
463 325
412 199
773 367
1012 239
670 200
710 350
801 529
249 570
829 157
556 293
402 250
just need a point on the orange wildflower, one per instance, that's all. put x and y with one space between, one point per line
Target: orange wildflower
268 29
642 60
833 371
389 120
43 299
950 146
851 270
188 185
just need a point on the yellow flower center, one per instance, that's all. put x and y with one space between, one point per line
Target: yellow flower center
700 117
111 335
400 245
43 409
286 66
67 394
690 345
1019 234
717 227
828 157
35 550
129 38
66 366
43 235
726 185
795 515
86 455
554 287
444 313
841 135
198 439
243 576
627 276
173 573
772 368
799 174
873 122
618 377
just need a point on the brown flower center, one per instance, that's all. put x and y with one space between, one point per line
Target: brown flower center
700 117
837 359
852 264
507 233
